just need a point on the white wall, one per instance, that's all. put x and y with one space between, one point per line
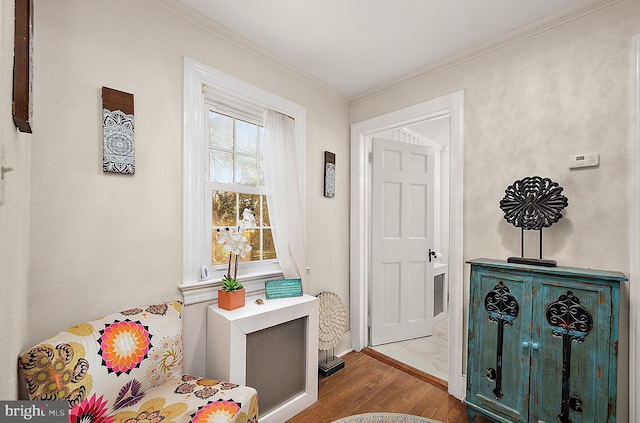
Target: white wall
528 106
104 242
14 216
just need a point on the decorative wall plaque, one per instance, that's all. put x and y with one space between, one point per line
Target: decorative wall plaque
118 132
329 174
283 288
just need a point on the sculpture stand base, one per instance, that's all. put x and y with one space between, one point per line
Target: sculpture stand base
329 367
533 261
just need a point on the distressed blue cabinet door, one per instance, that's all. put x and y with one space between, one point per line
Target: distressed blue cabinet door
571 325
499 343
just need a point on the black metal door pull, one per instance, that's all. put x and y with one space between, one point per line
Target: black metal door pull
431 254
570 321
503 308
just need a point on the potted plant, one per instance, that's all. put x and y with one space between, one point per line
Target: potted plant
231 294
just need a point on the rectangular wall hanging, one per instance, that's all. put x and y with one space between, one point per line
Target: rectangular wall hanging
22 66
117 132
329 174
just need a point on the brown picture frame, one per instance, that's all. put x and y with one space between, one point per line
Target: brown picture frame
22 67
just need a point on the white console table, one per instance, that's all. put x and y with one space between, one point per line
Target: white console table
263 345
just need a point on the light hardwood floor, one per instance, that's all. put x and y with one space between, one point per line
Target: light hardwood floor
367 385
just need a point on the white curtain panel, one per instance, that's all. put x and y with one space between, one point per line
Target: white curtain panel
281 179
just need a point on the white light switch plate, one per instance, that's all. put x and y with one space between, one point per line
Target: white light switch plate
584 160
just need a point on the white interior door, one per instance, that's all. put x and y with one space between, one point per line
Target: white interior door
401 241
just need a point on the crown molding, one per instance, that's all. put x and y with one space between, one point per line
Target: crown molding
522 33
515 36
225 34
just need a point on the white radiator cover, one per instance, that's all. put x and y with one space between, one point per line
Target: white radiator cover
272 347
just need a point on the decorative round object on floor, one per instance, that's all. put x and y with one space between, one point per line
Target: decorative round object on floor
332 320
332 324
384 418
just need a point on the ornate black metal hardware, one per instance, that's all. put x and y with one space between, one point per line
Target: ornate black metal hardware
575 404
491 374
431 254
503 308
533 203
570 321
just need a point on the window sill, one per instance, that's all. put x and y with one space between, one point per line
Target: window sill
207 291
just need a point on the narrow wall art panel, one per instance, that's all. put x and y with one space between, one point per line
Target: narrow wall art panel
329 174
117 132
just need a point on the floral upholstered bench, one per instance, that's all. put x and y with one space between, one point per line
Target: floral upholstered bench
127 367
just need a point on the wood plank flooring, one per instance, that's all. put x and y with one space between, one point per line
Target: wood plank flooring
436 381
367 385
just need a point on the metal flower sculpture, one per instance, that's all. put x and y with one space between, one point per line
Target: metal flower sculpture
533 203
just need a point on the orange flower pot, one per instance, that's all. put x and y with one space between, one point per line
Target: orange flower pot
231 300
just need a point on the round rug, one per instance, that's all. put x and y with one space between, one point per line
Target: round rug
384 418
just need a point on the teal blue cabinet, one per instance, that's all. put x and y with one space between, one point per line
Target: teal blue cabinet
543 343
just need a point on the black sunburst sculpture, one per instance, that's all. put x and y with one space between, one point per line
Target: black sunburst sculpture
533 203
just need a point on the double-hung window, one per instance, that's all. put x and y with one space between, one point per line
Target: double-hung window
223 170
235 186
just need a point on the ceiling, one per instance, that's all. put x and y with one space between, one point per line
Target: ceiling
357 45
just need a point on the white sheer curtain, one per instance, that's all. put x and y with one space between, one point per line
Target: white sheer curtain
281 179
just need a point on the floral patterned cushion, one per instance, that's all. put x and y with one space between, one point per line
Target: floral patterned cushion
127 367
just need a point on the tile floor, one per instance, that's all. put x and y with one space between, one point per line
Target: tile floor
429 354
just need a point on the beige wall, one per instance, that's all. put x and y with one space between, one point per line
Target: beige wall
14 216
528 106
103 242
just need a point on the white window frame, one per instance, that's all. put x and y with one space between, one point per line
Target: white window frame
200 82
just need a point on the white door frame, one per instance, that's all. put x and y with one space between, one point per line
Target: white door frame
634 230
451 105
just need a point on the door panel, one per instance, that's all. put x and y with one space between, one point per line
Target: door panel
392 217
401 236
418 204
565 324
499 374
391 287
418 273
